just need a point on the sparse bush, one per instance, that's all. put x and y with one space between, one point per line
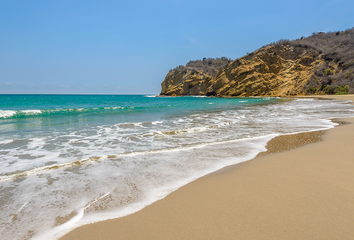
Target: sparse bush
351 89
325 88
210 66
349 74
341 90
311 90
328 72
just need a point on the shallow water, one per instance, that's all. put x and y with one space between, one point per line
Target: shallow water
68 160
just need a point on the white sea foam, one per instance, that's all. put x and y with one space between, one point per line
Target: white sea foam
162 171
3 142
97 172
31 112
7 113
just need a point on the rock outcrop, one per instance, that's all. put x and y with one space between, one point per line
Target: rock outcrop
185 82
320 64
269 71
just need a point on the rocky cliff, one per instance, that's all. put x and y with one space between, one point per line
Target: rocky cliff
185 82
270 71
318 64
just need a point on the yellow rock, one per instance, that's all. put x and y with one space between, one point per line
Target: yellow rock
269 71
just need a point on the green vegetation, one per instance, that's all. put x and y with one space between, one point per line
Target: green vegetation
341 90
328 71
325 88
311 90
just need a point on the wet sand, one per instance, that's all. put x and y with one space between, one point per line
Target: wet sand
296 191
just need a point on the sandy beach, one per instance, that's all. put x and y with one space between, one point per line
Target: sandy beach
306 192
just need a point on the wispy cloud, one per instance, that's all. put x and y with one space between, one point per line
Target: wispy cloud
191 39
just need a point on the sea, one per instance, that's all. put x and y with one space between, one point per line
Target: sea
70 160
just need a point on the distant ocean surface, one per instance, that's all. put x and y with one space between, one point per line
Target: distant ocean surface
69 160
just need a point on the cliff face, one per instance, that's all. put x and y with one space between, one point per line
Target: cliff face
270 71
319 64
277 70
185 82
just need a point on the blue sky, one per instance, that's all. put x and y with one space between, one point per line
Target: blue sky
128 47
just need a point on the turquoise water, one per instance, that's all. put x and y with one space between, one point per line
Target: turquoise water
69 160
41 111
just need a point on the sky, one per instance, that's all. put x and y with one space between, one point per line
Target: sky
128 47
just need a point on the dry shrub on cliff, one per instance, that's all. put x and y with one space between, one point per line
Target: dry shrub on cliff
210 66
337 51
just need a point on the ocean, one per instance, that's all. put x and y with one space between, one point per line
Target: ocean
70 160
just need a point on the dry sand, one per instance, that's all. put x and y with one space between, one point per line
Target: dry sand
303 193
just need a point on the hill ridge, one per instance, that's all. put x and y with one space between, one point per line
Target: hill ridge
320 64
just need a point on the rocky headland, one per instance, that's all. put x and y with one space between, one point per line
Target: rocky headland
320 64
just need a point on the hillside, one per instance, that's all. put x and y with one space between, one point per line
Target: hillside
193 78
320 64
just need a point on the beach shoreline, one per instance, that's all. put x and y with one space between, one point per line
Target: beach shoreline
302 193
